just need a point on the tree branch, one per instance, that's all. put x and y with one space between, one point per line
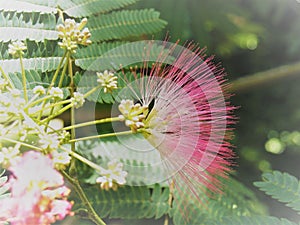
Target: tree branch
257 79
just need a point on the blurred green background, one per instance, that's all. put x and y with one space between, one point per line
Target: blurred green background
250 36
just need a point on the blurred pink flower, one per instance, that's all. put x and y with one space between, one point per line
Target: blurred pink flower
187 118
37 192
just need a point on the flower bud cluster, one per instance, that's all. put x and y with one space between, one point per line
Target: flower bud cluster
108 81
72 34
113 177
77 100
16 49
133 114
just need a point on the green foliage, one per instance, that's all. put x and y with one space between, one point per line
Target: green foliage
86 57
280 141
116 55
44 64
25 6
141 166
35 49
282 186
124 24
33 79
129 202
253 220
221 27
3 188
21 26
35 21
236 200
82 8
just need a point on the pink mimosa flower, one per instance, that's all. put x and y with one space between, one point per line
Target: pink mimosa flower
37 192
186 118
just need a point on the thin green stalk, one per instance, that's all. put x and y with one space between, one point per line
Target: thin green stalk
91 212
23 79
39 101
88 162
101 136
21 143
60 82
91 92
265 77
53 80
170 200
46 120
72 89
61 79
106 120
58 69
6 78
67 101
49 106
73 134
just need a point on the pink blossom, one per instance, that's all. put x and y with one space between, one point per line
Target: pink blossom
187 119
37 192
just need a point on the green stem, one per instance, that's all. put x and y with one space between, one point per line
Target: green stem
61 79
91 91
67 101
101 136
6 78
73 134
39 101
21 143
106 120
60 82
58 69
23 79
46 120
72 89
92 214
49 106
264 77
99 169
170 200
53 81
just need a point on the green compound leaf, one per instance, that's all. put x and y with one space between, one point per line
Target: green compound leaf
84 8
25 6
283 187
116 55
139 158
128 202
44 64
48 3
89 81
34 49
91 55
253 220
3 188
33 78
43 56
34 26
105 56
125 24
235 201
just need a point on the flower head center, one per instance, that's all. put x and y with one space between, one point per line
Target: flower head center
133 114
